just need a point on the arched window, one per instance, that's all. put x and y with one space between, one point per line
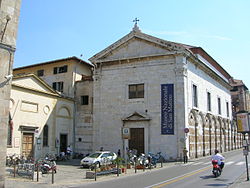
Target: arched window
45 135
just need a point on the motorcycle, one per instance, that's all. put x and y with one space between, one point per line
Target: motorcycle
48 165
143 160
216 168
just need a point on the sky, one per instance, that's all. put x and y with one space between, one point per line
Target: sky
55 29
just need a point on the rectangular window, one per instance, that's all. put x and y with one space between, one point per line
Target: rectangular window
45 135
195 96
219 106
85 100
40 72
227 106
209 101
136 91
62 69
58 86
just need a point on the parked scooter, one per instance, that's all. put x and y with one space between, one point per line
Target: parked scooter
48 164
216 168
132 157
152 160
143 160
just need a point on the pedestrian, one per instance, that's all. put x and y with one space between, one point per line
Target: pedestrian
185 156
69 151
119 153
101 149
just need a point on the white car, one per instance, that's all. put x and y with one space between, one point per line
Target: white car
99 158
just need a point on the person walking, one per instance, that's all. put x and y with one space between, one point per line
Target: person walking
69 151
119 153
185 156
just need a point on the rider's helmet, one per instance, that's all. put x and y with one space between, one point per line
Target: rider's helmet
216 151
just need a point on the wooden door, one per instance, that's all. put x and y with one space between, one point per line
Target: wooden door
27 144
137 140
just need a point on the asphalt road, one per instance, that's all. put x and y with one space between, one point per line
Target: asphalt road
194 174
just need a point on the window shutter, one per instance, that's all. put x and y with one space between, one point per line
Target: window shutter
55 70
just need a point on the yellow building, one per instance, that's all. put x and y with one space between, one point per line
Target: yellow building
61 74
41 120
70 77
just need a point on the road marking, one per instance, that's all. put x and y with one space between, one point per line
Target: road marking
240 163
161 184
229 163
198 163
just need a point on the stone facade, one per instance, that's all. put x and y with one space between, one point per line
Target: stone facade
138 58
9 14
84 114
33 99
240 96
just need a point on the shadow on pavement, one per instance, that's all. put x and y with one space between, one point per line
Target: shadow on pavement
218 185
71 162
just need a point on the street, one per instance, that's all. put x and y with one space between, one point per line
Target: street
195 173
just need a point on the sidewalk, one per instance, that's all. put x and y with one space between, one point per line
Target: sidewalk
70 174
241 182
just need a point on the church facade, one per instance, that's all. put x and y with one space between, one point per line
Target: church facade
155 96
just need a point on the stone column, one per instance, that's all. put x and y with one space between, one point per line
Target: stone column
9 14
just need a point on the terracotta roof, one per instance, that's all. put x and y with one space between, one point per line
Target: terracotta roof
235 82
56 61
210 59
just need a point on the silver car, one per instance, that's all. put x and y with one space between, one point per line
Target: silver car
99 158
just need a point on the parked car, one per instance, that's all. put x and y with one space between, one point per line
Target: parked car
99 158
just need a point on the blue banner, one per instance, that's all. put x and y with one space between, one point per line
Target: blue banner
167 109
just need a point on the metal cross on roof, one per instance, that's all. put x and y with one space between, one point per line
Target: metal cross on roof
136 20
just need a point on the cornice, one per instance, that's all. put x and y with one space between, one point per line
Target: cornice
208 71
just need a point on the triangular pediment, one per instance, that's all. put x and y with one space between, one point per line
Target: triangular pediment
134 45
34 83
136 116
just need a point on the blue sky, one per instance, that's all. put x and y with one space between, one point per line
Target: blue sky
53 29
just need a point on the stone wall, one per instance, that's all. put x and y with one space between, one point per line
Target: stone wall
84 117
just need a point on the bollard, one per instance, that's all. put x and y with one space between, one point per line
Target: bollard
95 171
33 172
117 167
126 166
52 175
14 170
37 175
143 164
135 164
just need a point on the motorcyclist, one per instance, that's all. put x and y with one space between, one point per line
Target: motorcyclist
218 157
